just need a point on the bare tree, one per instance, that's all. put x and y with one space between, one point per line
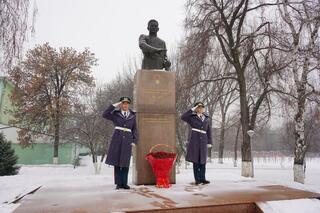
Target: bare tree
299 38
14 29
121 85
227 119
226 23
87 128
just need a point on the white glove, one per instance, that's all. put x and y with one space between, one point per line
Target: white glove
116 104
194 108
133 144
209 145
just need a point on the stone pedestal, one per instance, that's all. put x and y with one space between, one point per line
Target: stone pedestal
154 101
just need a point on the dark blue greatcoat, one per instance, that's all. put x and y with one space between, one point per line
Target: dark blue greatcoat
197 146
119 152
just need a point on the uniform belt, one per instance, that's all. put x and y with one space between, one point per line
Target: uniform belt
123 129
199 130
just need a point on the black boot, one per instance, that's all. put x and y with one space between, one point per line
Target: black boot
126 187
205 182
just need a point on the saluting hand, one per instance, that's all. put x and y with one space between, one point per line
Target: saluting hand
116 104
194 108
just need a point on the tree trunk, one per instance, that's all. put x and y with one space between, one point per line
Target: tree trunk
102 157
236 147
95 166
300 142
100 163
247 166
299 167
94 158
56 142
221 144
95 162
180 146
56 133
223 109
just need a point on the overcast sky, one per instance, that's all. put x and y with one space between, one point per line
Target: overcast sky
110 28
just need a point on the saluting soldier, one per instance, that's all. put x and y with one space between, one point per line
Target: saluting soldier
123 138
200 139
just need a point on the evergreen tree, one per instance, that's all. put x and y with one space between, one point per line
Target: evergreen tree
8 159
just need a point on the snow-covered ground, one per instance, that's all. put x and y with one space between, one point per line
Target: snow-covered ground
270 170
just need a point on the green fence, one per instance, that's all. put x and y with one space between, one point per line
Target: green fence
41 153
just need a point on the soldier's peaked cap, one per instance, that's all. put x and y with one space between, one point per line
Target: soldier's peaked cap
200 104
125 99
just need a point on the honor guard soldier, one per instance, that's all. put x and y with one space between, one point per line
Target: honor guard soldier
200 139
123 138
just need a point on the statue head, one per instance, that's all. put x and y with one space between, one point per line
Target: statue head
153 26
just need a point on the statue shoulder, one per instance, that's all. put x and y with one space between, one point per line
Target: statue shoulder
162 40
143 36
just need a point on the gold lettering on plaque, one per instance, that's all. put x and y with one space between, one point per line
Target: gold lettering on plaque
156 94
156 120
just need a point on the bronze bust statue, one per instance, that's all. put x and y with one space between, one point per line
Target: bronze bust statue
153 48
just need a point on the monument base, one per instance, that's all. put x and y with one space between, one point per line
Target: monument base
153 129
154 102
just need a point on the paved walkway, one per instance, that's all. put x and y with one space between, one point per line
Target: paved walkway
241 195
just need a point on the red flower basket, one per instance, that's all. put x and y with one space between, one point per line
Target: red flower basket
161 163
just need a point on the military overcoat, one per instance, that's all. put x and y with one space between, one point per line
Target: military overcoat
197 144
119 151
